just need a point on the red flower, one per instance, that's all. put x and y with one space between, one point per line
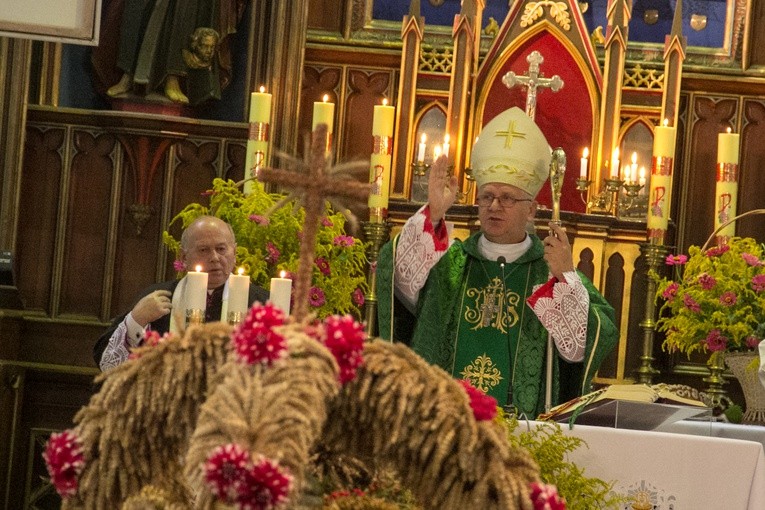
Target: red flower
323 266
327 222
716 341
65 461
343 241
316 297
707 281
676 260
266 486
179 266
484 406
751 259
691 304
671 291
260 220
255 340
758 283
273 253
344 337
717 250
728 298
358 297
546 497
752 342
152 339
225 471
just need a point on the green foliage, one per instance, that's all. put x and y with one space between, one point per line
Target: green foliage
718 303
268 242
734 413
549 447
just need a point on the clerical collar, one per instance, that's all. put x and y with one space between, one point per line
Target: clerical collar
511 252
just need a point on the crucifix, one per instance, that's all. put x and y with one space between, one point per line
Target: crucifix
532 81
315 187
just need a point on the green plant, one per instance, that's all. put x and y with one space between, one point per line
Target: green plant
716 300
549 447
268 241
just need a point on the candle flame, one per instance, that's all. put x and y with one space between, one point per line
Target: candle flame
198 268
729 130
326 98
642 172
666 122
423 138
385 101
634 158
282 274
615 153
586 153
262 89
436 152
241 271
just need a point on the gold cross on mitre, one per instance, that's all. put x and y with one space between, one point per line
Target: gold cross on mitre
317 186
532 81
509 134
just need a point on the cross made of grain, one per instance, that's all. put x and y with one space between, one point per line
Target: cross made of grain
316 187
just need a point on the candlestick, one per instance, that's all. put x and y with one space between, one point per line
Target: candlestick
659 195
324 113
257 140
583 164
421 150
281 292
380 161
726 187
238 294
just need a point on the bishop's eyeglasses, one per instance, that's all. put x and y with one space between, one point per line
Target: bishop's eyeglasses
505 201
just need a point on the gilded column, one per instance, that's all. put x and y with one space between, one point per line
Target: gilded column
674 55
411 35
618 13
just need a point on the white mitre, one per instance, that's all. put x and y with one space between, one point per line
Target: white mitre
511 149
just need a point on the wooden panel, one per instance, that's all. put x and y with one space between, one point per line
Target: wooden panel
87 224
757 47
367 88
326 15
38 211
613 294
752 170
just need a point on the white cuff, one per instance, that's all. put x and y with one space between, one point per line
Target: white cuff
135 332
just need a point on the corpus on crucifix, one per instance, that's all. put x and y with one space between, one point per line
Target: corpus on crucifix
532 81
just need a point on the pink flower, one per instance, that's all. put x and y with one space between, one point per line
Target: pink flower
751 259
716 341
344 337
546 497
65 461
691 304
728 298
266 486
671 291
179 266
323 266
208 193
676 260
152 339
273 253
343 241
752 342
484 406
255 340
707 281
260 220
358 297
316 297
327 222
225 470
758 283
717 250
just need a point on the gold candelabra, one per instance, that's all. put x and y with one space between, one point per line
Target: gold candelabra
376 234
654 256
235 318
194 316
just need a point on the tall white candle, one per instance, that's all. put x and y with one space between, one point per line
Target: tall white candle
281 291
196 289
421 149
238 292
583 163
446 145
615 163
323 113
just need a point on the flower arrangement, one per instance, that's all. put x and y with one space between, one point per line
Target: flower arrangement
716 300
268 241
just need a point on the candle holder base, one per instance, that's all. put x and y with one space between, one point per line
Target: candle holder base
376 235
235 318
195 316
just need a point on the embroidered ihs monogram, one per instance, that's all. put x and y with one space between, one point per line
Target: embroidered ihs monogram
495 307
482 373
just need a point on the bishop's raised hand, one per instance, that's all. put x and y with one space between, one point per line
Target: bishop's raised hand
442 189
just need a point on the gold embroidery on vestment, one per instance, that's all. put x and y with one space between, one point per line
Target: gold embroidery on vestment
482 373
495 307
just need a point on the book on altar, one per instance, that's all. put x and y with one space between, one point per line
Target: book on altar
629 406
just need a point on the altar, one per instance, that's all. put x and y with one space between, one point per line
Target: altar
662 470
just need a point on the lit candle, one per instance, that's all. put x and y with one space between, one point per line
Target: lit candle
664 140
446 145
727 147
380 161
615 163
583 164
659 195
633 169
436 152
323 113
642 176
196 289
257 140
281 291
238 292
421 149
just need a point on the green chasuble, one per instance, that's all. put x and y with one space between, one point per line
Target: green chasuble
472 320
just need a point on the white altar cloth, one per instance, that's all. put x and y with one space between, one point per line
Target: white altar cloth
674 471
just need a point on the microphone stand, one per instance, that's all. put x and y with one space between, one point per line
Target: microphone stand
509 408
557 170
